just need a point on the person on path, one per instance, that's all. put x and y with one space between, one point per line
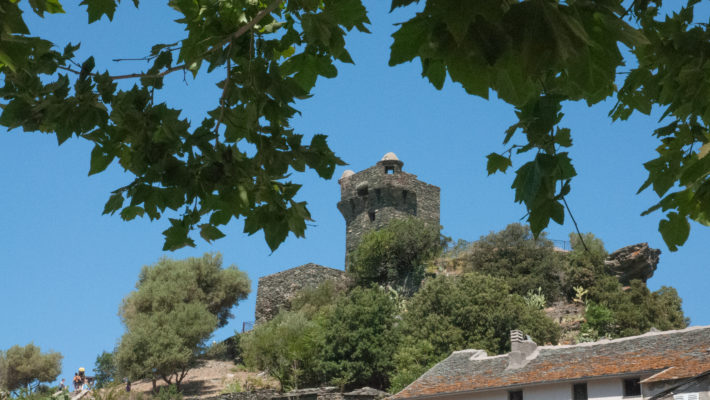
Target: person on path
76 381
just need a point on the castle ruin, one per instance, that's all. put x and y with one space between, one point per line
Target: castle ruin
371 198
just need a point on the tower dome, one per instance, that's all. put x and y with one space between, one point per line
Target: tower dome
390 157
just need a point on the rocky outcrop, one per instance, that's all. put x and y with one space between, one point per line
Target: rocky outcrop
569 316
637 261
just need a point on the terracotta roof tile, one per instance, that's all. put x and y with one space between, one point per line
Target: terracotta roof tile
687 350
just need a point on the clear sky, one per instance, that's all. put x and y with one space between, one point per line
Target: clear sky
65 267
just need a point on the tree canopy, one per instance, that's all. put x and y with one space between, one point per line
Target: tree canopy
25 367
175 308
535 55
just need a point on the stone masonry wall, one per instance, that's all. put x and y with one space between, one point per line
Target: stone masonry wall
275 291
371 198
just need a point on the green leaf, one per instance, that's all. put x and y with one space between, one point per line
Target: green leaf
209 232
131 212
401 3
527 182
100 160
565 170
563 137
497 162
176 236
471 75
6 61
435 70
675 230
114 203
98 8
540 216
408 39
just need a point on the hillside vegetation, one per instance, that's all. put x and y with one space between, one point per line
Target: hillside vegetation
415 301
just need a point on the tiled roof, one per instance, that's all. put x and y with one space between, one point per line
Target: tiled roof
670 354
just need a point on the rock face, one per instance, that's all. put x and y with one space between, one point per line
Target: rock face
637 261
275 291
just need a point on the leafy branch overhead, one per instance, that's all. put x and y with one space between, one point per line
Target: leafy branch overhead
536 55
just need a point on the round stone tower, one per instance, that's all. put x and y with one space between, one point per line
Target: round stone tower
370 199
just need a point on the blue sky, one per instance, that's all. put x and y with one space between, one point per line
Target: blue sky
65 267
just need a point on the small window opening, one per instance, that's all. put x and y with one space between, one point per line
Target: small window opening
389 170
404 195
372 215
632 387
579 391
515 395
362 191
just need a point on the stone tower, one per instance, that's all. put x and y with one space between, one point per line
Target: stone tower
372 198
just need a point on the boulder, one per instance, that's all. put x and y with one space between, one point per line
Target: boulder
637 261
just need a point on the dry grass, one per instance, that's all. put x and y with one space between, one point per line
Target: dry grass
208 379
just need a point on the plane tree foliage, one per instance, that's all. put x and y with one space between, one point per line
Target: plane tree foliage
535 55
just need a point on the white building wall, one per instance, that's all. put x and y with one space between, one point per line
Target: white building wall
598 389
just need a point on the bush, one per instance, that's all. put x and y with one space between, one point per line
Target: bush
525 263
285 347
459 312
397 254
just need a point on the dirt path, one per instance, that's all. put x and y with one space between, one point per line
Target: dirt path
210 378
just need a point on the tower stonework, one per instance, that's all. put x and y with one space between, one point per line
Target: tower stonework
371 198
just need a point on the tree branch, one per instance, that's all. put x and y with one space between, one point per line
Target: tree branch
579 234
244 28
128 76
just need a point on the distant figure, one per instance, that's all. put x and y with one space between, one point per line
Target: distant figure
128 384
76 381
62 385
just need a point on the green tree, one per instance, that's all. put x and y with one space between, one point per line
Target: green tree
175 308
462 312
193 280
617 312
26 367
534 55
359 339
105 369
515 255
585 263
397 254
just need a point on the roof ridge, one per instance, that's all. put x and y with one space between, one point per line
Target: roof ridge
626 338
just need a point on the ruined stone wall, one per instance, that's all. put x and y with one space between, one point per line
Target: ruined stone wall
275 291
371 198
